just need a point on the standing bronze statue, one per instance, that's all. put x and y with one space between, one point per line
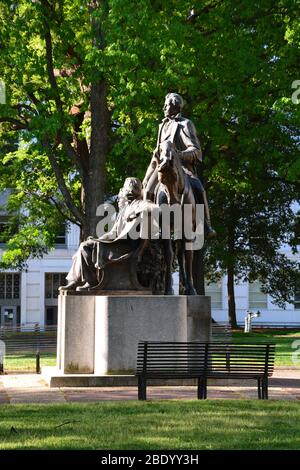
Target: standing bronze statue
182 133
171 178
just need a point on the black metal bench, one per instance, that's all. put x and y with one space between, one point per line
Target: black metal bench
195 360
168 360
253 361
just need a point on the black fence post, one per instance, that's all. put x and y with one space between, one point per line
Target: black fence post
38 354
38 362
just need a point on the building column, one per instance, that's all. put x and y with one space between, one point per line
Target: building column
42 298
23 299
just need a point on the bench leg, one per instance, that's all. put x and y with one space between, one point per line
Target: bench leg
201 388
204 388
265 388
142 388
259 387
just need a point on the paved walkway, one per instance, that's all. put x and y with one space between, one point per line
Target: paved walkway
31 388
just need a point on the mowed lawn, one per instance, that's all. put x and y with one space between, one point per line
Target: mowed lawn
27 362
284 340
169 424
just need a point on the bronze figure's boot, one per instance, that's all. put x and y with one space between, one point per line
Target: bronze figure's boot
86 287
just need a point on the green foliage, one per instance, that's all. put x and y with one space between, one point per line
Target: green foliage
255 223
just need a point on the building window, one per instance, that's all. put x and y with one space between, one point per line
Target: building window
52 283
214 290
60 239
257 298
51 315
10 285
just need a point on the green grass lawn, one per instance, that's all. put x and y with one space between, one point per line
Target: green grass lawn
282 338
168 424
27 362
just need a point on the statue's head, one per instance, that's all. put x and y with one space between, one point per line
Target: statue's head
132 189
173 104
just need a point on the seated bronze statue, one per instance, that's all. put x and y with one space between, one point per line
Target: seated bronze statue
111 261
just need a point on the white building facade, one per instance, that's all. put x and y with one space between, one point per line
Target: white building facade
248 297
30 298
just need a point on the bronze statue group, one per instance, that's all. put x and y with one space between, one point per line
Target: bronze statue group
114 261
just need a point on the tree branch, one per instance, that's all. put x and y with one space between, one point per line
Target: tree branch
73 155
17 124
81 146
60 210
53 83
22 106
62 185
33 98
194 14
50 67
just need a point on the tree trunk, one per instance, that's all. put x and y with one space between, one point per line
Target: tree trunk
94 181
230 277
94 184
231 296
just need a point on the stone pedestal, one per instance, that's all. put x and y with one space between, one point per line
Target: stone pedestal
76 334
98 334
